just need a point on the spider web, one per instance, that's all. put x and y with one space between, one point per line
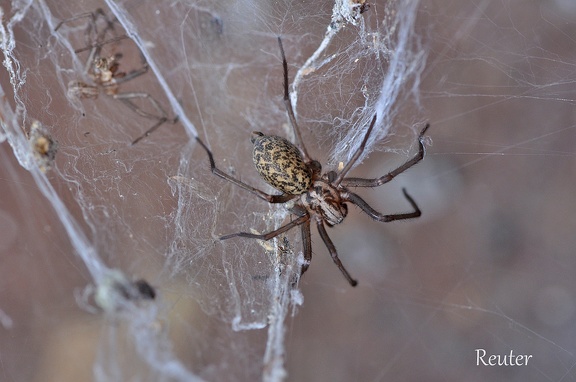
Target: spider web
76 238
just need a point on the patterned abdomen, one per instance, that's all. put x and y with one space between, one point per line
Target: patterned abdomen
280 164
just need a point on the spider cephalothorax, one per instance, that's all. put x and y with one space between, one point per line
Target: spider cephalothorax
316 197
324 199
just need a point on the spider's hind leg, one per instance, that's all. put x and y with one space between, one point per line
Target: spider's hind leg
282 198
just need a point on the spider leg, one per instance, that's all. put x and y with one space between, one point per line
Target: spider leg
127 99
356 154
92 26
272 234
153 128
357 200
133 74
283 198
98 45
92 15
333 252
289 108
161 117
361 182
306 245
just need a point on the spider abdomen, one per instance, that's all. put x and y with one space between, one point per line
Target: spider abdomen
280 164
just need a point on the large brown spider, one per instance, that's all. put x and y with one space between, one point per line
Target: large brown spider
318 197
105 71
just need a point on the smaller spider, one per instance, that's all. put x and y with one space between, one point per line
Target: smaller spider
42 145
321 198
105 72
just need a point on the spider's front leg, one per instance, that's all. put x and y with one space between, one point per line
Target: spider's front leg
332 249
306 246
361 182
358 201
